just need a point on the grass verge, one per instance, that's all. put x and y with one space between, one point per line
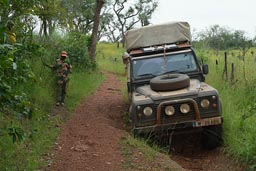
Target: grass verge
138 155
81 86
43 129
238 104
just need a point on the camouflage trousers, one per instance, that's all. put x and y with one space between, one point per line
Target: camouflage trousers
61 91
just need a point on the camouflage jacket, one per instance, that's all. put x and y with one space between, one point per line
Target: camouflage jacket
62 69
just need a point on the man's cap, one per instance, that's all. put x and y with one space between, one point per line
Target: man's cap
63 53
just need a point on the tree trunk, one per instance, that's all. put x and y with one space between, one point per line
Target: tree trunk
96 18
45 28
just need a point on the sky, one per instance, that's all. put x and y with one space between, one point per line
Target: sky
201 14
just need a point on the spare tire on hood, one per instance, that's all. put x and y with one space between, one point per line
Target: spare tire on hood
169 82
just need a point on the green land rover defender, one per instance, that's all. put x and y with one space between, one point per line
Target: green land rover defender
166 85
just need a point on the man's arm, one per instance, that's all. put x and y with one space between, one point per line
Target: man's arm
47 65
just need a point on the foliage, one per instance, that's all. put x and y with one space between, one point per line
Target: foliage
27 92
14 9
14 71
27 95
74 43
75 16
221 38
49 13
80 15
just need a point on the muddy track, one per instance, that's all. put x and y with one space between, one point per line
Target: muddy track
84 142
89 140
186 151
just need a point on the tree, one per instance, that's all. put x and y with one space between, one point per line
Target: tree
48 12
79 16
220 38
107 25
127 16
96 19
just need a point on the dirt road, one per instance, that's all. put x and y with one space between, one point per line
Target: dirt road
187 152
90 139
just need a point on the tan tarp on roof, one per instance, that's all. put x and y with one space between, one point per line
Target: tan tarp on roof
157 35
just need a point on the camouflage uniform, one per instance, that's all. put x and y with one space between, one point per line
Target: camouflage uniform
9 36
62 69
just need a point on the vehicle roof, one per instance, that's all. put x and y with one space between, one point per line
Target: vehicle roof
141 52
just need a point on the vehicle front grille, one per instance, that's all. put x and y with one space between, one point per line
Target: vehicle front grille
178 116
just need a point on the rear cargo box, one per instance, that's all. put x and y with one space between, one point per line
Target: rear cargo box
166 33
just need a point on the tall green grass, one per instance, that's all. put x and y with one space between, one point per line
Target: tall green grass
109 58
238 104
82 85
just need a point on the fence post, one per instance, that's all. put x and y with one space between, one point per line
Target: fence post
216 64
232 72
225 71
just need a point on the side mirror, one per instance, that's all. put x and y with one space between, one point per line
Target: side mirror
205 69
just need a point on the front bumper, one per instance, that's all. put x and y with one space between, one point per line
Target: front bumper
188 125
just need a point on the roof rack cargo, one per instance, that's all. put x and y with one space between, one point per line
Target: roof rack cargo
158 35
157 48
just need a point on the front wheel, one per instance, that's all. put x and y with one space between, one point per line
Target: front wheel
212 137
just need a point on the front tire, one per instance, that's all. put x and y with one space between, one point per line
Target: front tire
212 137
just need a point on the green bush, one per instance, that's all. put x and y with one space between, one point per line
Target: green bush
27 96
74 43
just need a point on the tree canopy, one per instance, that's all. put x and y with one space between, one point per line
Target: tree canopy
221 38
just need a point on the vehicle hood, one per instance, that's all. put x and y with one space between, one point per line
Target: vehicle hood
194 89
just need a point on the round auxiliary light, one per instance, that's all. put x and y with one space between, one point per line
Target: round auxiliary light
147 111
184 108
169 110
205 103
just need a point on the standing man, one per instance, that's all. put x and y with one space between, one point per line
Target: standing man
10 36
62 69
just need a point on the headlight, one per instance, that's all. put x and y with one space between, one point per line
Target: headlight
147 111
169 110
184 108
205 103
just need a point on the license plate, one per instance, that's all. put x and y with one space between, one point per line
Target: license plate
208 122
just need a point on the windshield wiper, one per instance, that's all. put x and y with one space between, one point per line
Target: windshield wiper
173 71
145 75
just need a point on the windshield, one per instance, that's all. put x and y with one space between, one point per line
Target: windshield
184 62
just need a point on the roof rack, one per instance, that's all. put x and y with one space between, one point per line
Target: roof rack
159 48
